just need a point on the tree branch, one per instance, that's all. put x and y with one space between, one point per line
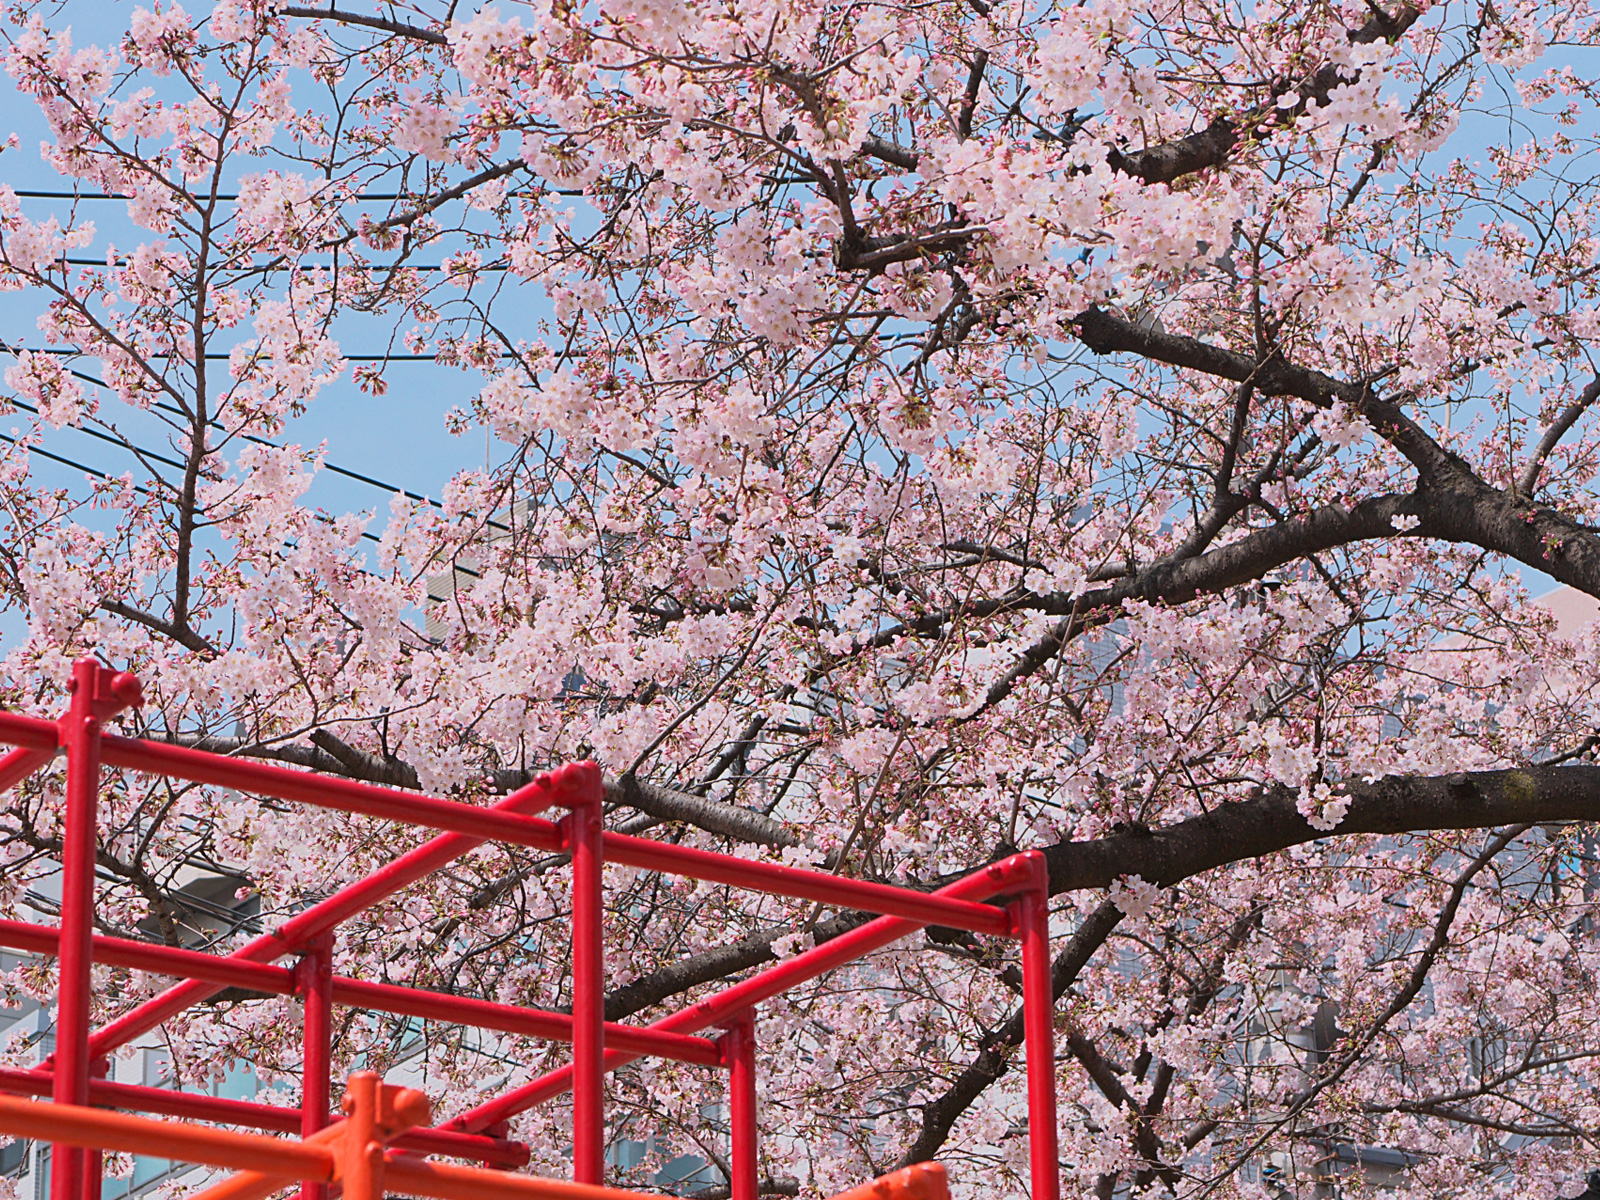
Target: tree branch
669 804
423 208
994 1058
1104 333
1268 823
969 97
1552 436
386 24
1211 146
180 633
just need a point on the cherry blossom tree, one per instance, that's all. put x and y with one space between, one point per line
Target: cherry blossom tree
926 430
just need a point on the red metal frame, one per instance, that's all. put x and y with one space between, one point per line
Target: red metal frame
598 1046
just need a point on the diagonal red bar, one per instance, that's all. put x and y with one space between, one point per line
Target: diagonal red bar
324 917
1006 875
19 764
357 993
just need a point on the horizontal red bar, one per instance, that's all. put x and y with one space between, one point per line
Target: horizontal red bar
507 1018
926 908
170 1103
161 960
328 791
347 795
325 916
31 733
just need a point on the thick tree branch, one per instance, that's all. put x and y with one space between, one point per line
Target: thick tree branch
717 963
890 152
969 97
1270 822
390 772
386 24
669 804
180 633
1105 333
1210 147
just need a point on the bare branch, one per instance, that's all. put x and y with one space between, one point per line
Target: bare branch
1529 478
180 633
994 1058
386 24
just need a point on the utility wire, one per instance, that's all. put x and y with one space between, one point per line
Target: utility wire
35 194
64 353
171 408
88 470
400 266
99 474
38 195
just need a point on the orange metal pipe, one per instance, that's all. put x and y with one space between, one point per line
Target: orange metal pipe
258 1185
474 1183
377 1113
924 1181
92 1127
361 1154
270 1163
920 1181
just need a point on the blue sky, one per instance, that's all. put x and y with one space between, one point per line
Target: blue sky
399 438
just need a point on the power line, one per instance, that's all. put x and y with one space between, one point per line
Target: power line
260 441
35 194
43 453
433 358
133 448
117 442
399 266
99 474
40 195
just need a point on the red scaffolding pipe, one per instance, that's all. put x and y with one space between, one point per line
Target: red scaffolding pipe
327 915
1005 875
314 984
598 1045
739 1049
358 993
583 839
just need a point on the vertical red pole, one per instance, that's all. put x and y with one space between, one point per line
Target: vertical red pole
1031 914
739 1056
94 1160
96 694
582 832
314 984
363 1149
